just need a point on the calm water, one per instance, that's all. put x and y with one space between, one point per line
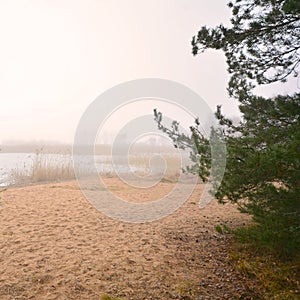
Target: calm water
11 161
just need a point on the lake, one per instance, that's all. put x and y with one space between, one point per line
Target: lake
10 162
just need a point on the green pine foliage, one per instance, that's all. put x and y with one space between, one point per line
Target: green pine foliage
263 167
261 46
263 151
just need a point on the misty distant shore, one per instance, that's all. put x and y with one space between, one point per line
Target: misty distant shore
31 148
101 149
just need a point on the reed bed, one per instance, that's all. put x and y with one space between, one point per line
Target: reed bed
45 167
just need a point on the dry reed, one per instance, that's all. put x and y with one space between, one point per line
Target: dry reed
45 167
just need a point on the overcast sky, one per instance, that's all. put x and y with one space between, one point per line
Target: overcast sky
56 57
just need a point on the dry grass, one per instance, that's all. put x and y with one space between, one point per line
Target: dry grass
45 167
269 277
168 164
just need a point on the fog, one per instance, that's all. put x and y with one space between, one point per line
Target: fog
57 57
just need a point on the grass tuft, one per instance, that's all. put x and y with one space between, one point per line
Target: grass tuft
223 229
107 297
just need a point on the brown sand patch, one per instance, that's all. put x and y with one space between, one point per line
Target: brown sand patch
55 245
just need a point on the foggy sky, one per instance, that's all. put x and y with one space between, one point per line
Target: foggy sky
57 56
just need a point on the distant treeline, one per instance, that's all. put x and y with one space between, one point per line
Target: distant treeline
102 149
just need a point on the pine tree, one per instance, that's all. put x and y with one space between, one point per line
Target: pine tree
263 151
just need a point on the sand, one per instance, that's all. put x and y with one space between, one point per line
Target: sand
55 245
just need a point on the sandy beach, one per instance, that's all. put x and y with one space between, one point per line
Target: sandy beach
55 245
